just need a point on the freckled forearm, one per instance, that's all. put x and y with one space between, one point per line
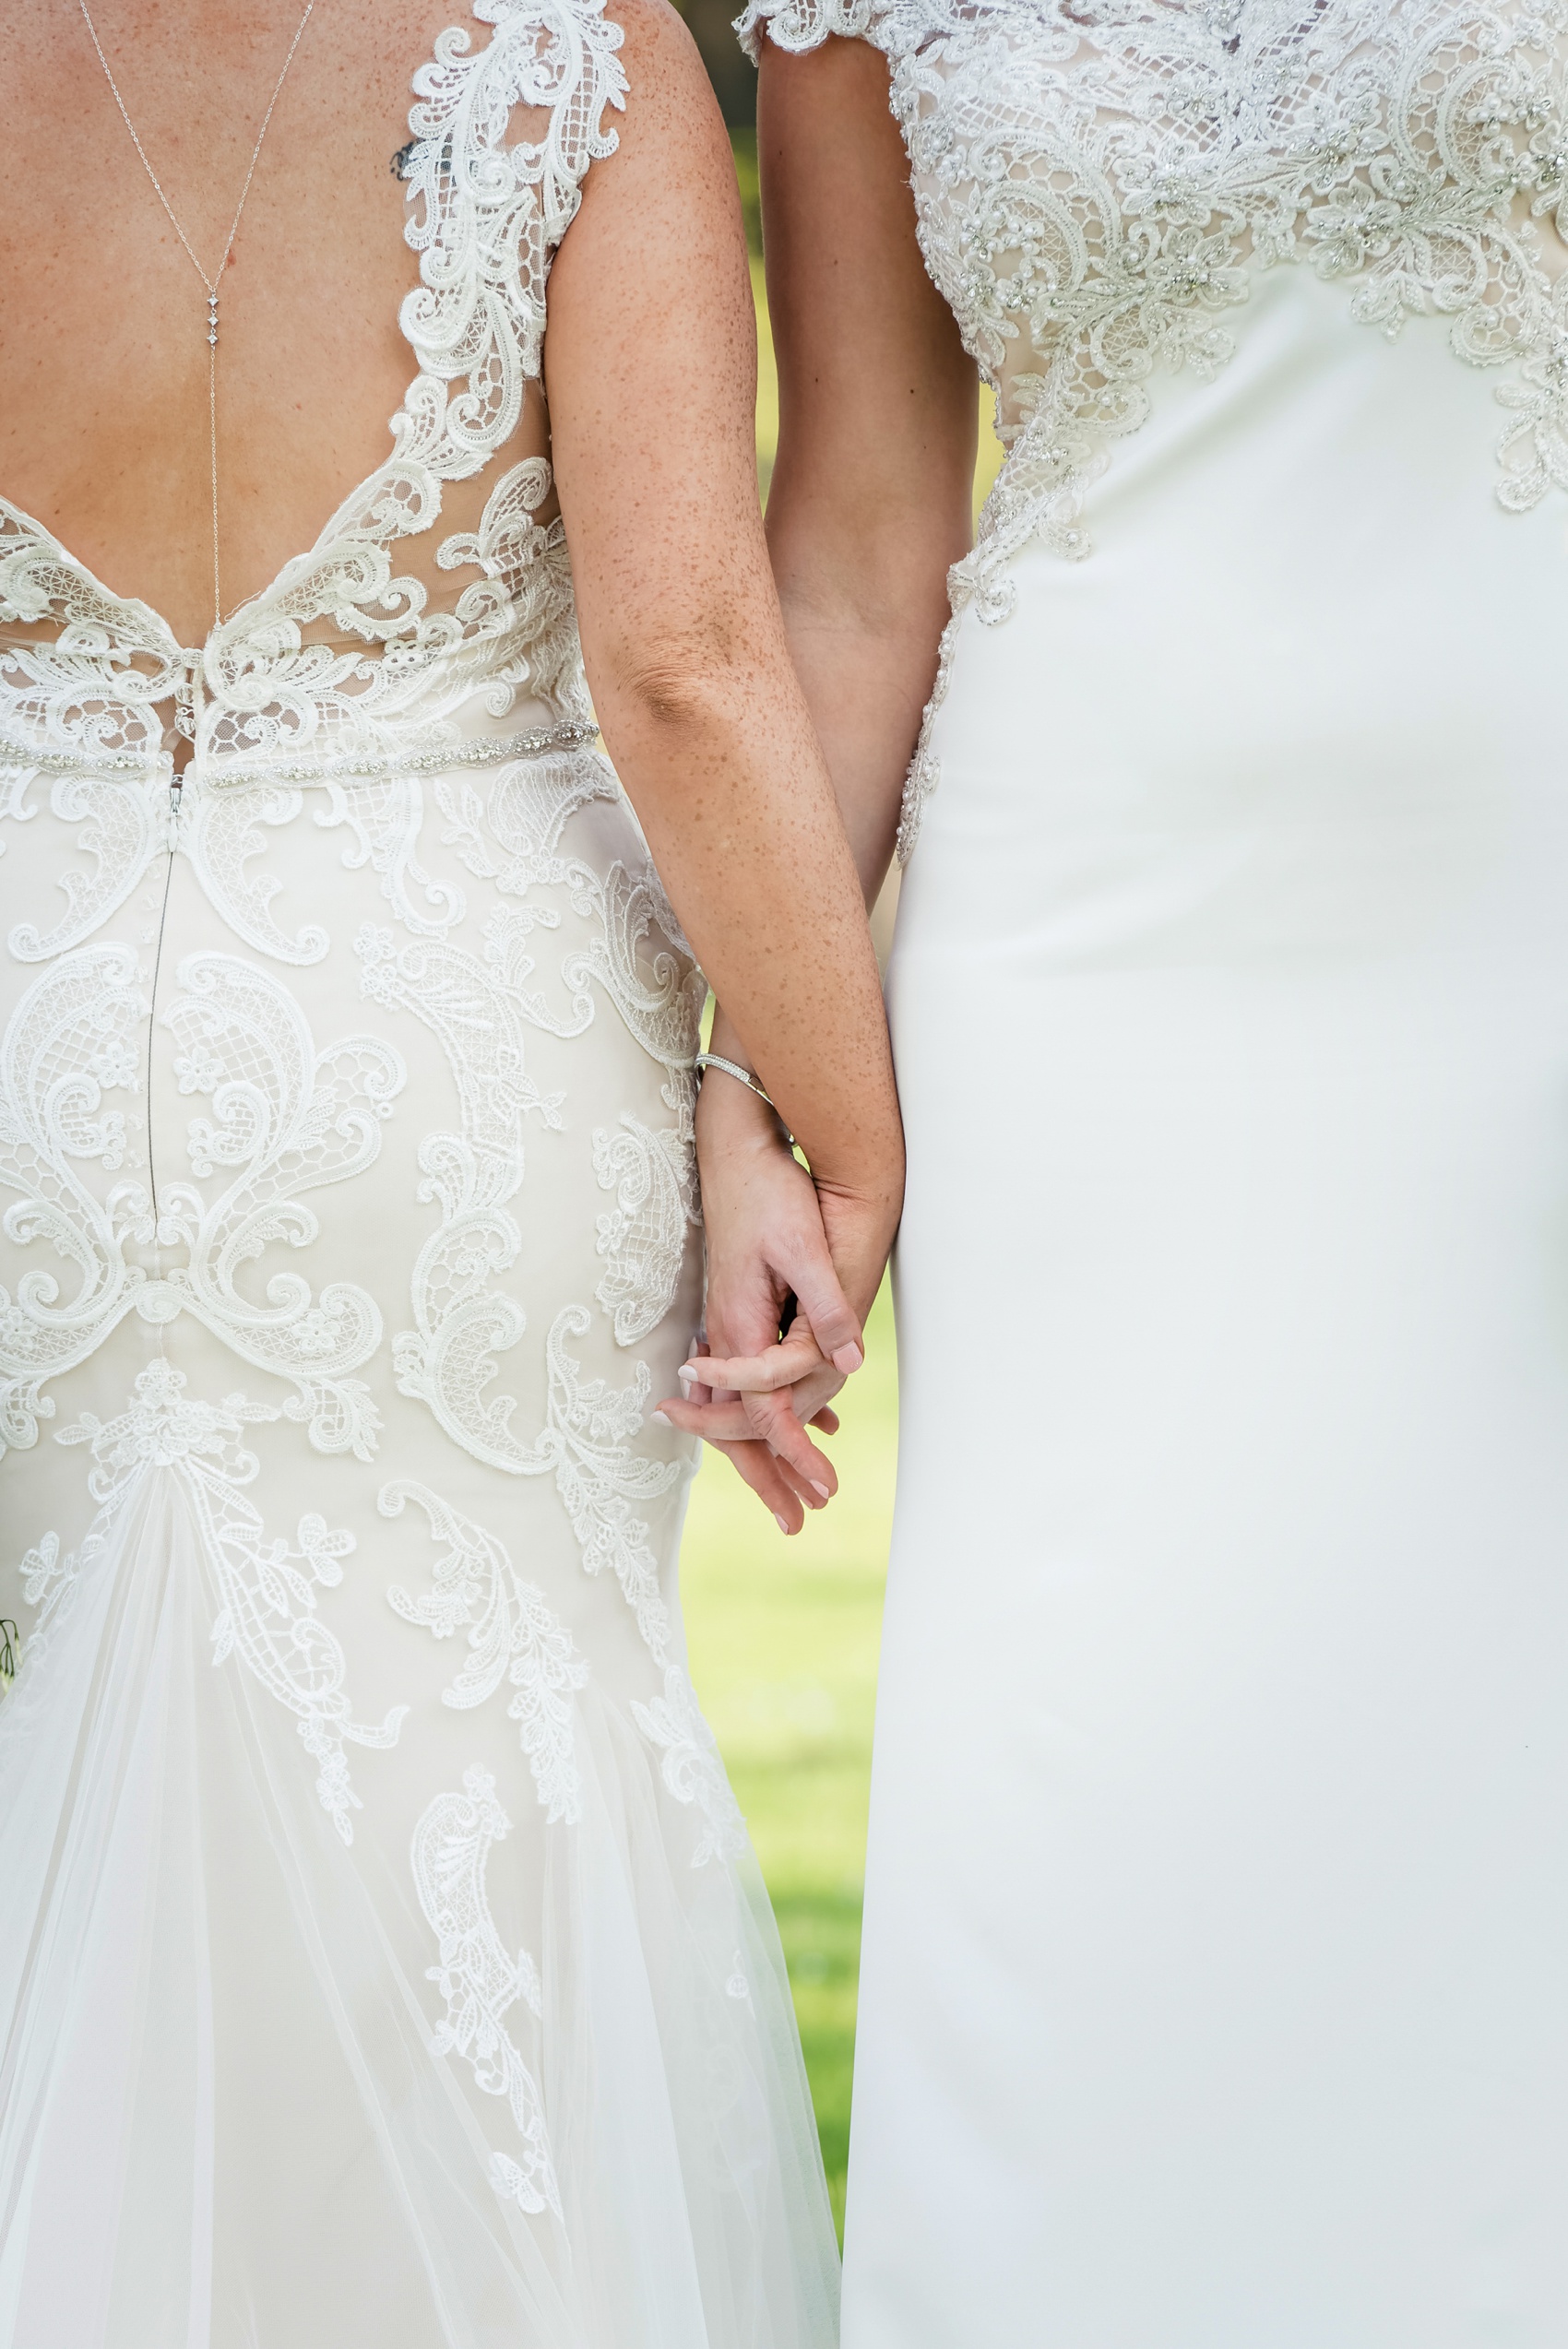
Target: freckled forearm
730 786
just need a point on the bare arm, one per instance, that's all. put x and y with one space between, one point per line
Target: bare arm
651 376
870 504
877 411
651 363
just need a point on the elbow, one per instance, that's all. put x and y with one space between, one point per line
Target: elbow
670 698
688 683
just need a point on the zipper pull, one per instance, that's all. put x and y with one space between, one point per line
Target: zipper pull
176 785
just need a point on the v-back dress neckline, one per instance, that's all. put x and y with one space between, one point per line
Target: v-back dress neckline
475 325
146 613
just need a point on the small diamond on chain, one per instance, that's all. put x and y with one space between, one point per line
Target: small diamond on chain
210 283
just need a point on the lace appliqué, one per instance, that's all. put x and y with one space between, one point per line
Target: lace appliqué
72 1038
587 1444
524 812
289 1120
1094 183
482 1011
512 1635
286 1118
691 1767
267 1607
478 1010
800 25
652 1171
480 1979
643 1237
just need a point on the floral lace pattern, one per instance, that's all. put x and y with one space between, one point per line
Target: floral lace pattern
653 1174
269 1613
286 1120
479 1977
1097 179
512 1636
691 1767
325 1062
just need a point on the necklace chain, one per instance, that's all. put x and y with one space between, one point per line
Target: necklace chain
212 286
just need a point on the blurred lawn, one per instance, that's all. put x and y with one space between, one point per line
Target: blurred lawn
783 1645
784 1633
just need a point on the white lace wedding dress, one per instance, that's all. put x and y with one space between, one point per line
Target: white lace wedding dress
382 1961
1217 1926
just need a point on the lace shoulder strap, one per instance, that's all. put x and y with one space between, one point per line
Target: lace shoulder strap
486 217
800 25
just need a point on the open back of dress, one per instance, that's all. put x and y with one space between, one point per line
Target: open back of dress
382 1961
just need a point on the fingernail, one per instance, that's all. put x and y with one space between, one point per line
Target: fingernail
821 1489
685 1373
782 1522
661 1419
847 1359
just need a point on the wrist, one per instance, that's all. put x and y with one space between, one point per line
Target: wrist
738 1073
732 1118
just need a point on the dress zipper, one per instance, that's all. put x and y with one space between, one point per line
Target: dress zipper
176 785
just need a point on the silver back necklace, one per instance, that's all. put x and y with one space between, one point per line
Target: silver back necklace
212 286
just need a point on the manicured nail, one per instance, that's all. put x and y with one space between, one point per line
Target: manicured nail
661 1419
782 1522
824 1490
847 1359
686 1373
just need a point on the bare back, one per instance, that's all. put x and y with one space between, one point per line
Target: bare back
103 361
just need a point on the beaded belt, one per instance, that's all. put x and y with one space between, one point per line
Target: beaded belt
489 751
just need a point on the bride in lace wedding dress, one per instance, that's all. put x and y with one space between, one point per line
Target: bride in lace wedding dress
382 1961
1217 1905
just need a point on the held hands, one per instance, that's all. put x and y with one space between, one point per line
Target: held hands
774 1235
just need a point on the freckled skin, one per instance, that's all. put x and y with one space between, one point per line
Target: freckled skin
650 369
101 302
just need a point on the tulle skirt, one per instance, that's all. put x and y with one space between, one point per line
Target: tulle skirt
221 2116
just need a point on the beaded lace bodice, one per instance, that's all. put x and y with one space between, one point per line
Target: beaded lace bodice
1097 182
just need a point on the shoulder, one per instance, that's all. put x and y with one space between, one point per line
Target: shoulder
657 51
666 101
669 150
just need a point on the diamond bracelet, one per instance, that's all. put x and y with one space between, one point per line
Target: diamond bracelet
743 1077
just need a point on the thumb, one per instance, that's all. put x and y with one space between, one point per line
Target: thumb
834 1323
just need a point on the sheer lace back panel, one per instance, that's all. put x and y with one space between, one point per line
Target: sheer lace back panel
443 575
1096 183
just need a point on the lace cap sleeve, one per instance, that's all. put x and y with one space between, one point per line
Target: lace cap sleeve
487 214
800 25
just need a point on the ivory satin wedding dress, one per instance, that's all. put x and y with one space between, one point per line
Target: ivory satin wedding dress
1215 1990
382 1961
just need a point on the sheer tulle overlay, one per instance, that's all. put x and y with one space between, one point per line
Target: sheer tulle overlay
382 1960
1217 1905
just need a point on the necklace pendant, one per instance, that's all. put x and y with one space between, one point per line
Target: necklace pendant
212 317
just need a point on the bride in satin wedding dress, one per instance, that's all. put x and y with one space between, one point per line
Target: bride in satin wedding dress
382 1960
1217 1901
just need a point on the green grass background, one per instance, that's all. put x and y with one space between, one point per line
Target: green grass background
784 1634
783 1639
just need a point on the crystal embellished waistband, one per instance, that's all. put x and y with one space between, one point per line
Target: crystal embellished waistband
488 751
